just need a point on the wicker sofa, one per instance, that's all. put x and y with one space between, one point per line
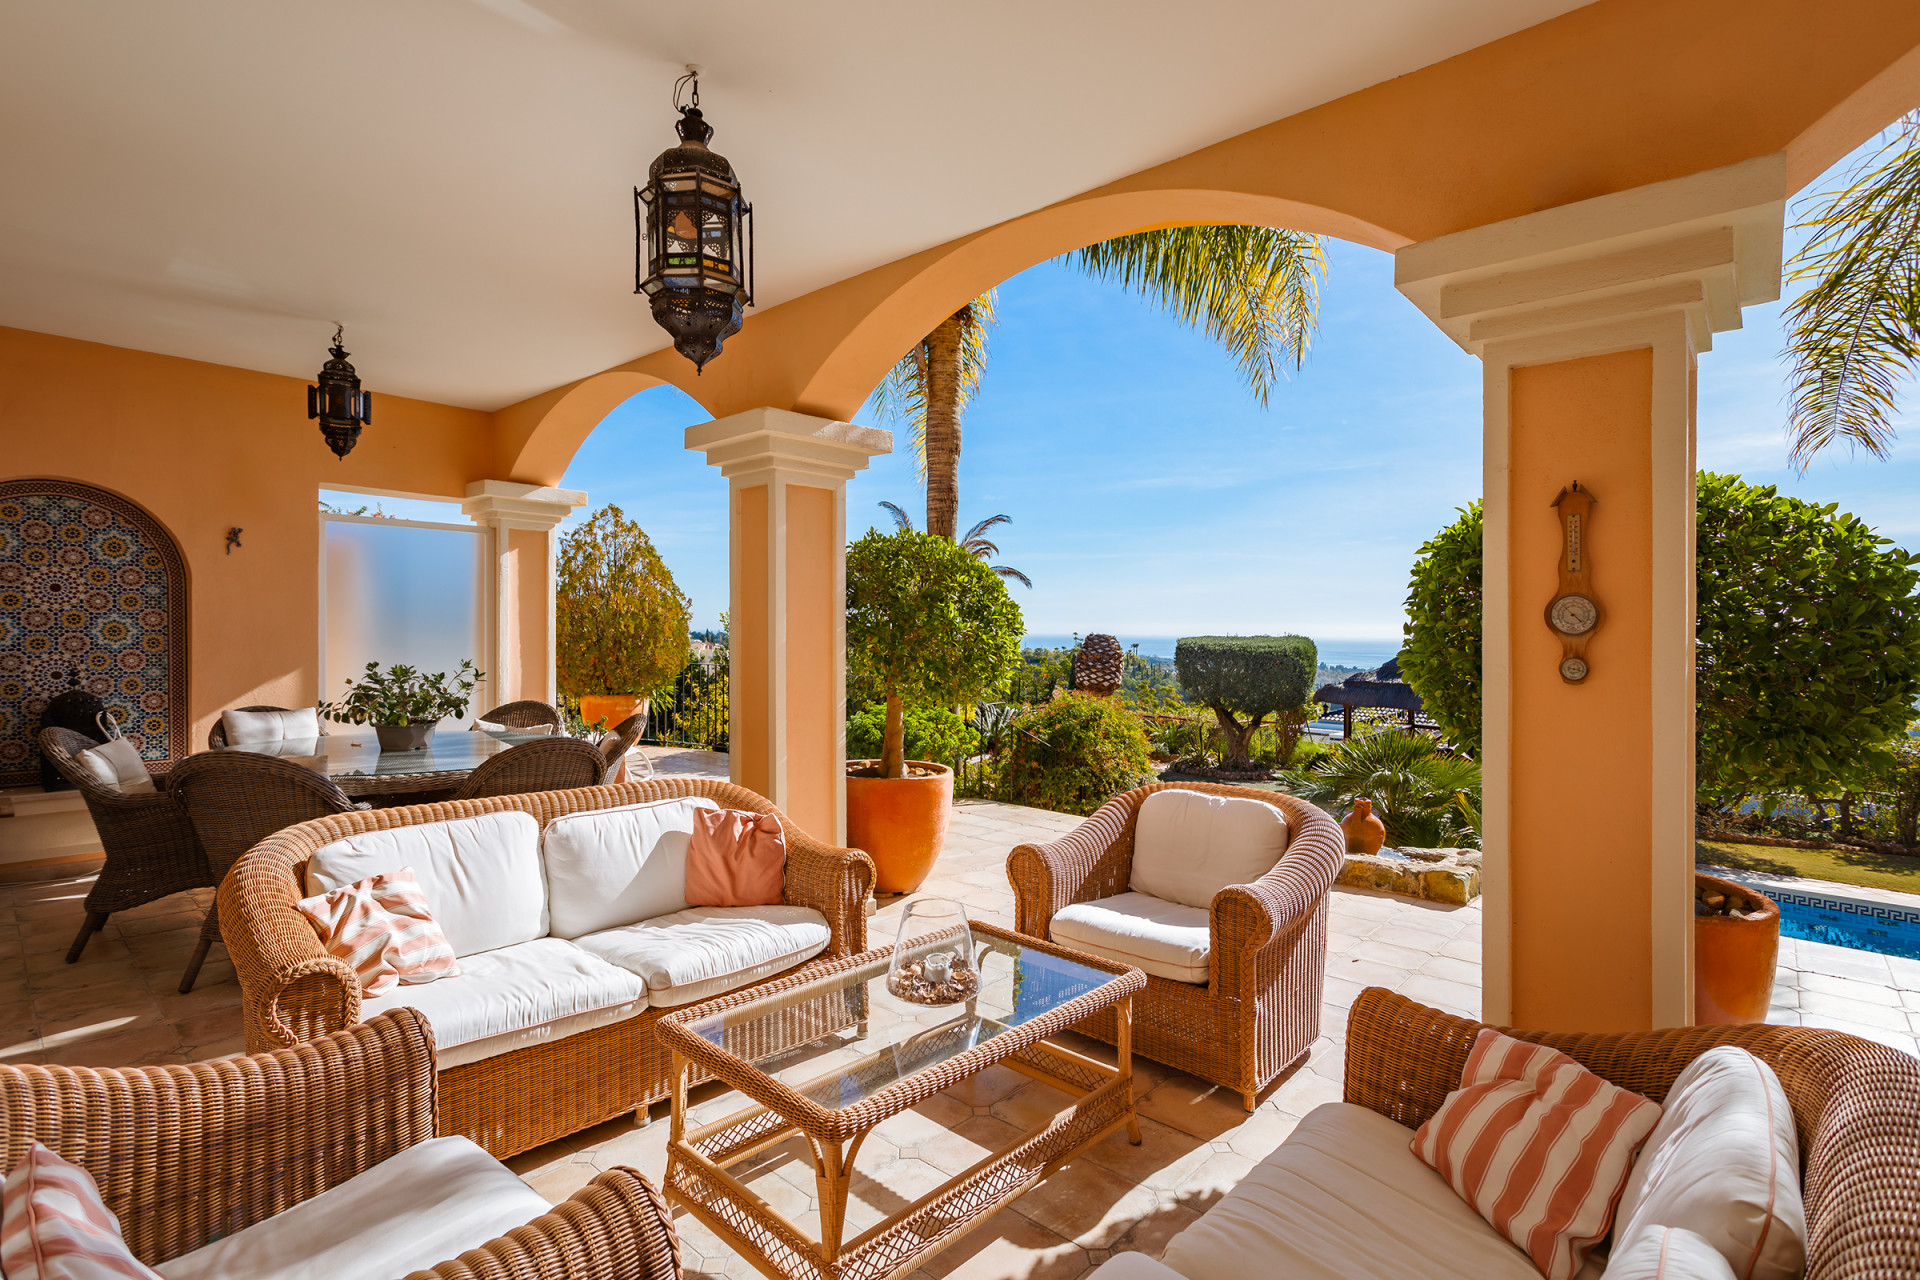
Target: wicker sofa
1856 1106
551 1074
319 1161
1251 1006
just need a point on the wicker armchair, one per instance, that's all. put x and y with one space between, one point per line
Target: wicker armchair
527 713
294 991
1855 1103
617 743
151 847
1259 1011
545 764
217 736
187 1155
235 799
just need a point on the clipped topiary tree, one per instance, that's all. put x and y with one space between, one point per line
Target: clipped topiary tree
1071 754
1441 657
1250 676
620 622
927 624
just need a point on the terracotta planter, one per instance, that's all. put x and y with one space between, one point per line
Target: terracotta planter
1734 958
417 736
901 823
612 707
1365 833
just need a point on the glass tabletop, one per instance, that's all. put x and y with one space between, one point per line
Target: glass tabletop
349 753
806 1037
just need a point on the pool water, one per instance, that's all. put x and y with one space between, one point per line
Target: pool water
1860 923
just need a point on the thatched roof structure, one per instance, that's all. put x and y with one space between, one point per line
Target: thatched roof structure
1381 688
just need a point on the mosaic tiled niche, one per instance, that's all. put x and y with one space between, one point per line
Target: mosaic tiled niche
88 582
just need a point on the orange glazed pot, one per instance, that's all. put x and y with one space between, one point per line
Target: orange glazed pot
613 707
901 823
1734 958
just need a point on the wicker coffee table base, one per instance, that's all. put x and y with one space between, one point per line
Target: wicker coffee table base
698 1160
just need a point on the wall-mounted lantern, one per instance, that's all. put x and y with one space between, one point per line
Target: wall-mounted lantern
693 238
342 407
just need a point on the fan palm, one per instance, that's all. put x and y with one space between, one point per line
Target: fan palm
1855 335
973 542
1255 290
1425 797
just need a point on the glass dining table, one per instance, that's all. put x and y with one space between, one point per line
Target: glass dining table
355 762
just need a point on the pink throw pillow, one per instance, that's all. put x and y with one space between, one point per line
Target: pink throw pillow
736 859
382 927
55 1226
1540 1147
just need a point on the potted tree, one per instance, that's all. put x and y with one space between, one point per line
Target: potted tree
620 622
928 624
403 705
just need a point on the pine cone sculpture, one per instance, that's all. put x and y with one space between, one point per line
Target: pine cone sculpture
1100 665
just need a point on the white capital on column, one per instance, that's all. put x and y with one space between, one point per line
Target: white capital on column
506 507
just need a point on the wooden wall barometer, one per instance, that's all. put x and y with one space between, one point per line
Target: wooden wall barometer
1573 613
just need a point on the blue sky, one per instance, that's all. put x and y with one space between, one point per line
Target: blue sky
1151 496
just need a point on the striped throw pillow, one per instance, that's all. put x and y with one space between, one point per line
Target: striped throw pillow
383 928
1539 1146
54 1226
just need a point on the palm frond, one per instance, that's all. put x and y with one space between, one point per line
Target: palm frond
1008 571
1255 290
1854 337
985 525
901 520
901 397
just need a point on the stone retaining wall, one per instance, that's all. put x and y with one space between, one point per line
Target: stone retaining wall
1437 875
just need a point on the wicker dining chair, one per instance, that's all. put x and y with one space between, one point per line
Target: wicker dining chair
217 736
545 764
617 743
187 1155
150 845
236 799
528 713
1258 1012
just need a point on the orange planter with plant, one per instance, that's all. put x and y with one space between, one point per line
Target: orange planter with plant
620 622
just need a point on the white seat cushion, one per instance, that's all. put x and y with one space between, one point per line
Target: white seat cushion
516 996
1665 1253
426 1205
701 952
1166 939
481 876
1189 845
1344 1198
270 726
610 867
117 765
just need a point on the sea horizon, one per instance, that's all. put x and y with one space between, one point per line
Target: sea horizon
1334 651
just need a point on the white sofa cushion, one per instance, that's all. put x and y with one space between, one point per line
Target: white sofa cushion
1166 939
115 764
1344 1198
426 1205
701 952
270 726
481 876
1188 845
1724 1163
609 867
1666 1253
515 996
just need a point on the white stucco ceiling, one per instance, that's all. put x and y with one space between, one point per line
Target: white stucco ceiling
223 179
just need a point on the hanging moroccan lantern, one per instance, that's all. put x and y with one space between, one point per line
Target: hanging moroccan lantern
342 407
693 238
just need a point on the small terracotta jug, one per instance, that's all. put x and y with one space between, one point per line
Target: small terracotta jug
1365 833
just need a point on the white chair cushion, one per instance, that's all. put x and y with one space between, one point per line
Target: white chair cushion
1344 1198
426 1205
115 764
481 876
1724 1163
701 952
270 726
1666 1253
1166 939
1188 845
610 867
516 996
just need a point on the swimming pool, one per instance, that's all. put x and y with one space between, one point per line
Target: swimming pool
1861 923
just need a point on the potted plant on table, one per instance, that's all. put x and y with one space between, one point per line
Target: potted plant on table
930 625
404 705
620 622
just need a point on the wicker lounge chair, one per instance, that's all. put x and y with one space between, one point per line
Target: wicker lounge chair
235 799
528 713
150 845
545 764
188 1155
1258 1012
548 1088
217 736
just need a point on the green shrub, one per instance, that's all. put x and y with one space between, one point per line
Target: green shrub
1425 797
1073 753
932 733
1441 658
1251 676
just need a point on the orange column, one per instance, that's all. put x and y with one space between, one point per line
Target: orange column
787 475
1588 318
522 518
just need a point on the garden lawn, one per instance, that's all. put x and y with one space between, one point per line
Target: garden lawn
1844 866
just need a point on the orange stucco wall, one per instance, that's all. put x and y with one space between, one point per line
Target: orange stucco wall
529 555
813 696
1581 812
205 448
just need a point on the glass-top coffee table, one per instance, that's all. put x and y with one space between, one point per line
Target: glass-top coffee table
830 1056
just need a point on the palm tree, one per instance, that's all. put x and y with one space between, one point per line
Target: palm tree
973 543
1256 290
1855 334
